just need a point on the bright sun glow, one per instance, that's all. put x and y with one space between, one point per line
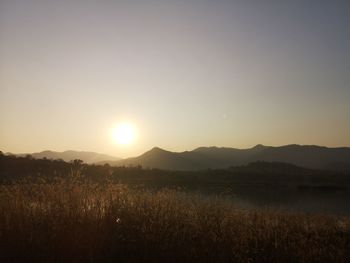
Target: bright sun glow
124 133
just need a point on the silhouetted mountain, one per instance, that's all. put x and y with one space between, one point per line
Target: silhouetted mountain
159 158
87 157
309 156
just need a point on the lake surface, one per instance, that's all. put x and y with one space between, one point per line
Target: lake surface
324 201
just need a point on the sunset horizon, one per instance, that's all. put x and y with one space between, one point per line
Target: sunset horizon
171 150
175 131
181 74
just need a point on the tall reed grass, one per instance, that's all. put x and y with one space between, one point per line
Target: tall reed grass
77 221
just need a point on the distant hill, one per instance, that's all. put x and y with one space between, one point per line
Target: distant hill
309 156
87 157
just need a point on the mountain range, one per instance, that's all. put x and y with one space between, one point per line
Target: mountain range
87 157
309 156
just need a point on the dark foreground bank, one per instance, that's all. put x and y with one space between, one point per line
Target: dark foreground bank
75 221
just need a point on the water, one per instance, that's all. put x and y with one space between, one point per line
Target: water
324 201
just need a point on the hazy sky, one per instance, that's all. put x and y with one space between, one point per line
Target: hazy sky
188 73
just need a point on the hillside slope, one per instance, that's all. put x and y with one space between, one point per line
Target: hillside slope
310 156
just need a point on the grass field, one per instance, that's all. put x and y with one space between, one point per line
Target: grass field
76 221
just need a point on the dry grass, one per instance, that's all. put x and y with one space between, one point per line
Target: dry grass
85 222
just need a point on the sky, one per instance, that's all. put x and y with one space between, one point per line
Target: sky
185 73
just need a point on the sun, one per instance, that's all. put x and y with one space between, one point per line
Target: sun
124 133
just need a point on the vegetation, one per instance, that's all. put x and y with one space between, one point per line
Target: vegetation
75 221
14 168
74 217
